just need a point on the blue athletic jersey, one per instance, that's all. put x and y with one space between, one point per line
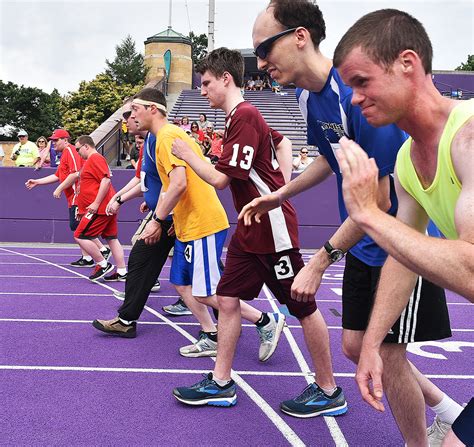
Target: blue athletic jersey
329 116
150 180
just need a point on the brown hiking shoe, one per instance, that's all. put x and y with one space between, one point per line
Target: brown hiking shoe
116 327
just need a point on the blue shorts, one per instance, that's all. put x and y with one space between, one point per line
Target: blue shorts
197 263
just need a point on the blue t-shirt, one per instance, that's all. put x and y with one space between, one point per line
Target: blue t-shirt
150 180
329 116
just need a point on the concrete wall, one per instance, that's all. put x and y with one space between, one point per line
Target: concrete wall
35 216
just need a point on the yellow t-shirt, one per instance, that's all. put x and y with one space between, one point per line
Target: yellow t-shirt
199 213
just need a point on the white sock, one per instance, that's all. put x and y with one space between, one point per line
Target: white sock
122 271
87 258
220 382
329 391
103 263
447 410
127 323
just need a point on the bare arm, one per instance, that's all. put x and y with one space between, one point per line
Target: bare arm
31 183
68 181
284 157
113 205
166 203
201 167
314 174
445 262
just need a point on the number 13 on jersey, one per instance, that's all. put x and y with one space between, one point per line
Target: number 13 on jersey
246 161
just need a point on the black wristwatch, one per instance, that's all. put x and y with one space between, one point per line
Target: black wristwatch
119 200
335 254
157 219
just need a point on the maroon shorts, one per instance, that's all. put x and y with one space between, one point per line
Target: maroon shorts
245 273
92 226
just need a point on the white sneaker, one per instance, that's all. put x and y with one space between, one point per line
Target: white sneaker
269 335
204 347
437 431
156 287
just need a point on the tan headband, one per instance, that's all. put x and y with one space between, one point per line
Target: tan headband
144 102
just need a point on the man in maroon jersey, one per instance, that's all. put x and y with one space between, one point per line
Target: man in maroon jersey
267 253
67 174
95 192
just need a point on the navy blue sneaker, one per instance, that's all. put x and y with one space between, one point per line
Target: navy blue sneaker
313 402
207 392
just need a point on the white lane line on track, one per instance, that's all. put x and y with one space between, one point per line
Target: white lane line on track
333 426
161 323
269 412
191 371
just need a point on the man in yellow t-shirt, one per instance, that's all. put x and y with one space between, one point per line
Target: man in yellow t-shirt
25 153
199 219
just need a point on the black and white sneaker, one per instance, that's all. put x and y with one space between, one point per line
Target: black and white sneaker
116 277
106 253
100 272
82 263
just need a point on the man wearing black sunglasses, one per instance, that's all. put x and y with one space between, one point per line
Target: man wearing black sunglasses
286 38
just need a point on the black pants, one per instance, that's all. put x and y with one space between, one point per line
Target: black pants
144 266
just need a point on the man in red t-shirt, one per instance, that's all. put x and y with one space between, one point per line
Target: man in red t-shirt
95 192
67 174
266 253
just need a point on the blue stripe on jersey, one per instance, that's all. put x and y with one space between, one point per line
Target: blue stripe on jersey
330 115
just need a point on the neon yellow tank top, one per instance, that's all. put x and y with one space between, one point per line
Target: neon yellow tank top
440 198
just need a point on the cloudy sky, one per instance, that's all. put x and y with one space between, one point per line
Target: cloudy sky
56 44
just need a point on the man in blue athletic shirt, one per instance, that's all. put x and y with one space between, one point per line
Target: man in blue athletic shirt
286 38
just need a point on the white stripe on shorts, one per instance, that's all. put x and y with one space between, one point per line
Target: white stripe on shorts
199 287
409 317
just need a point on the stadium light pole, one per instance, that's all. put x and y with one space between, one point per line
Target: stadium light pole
169 18
210 29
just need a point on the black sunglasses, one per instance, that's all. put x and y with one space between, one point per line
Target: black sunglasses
265 47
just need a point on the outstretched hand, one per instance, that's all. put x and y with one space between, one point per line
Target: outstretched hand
360 179
369 372
258 207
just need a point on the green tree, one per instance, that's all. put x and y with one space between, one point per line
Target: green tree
28 108
94 102
469 65
128 67
198 46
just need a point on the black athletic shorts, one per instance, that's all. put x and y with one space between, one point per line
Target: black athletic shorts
425 317
73 222
463 426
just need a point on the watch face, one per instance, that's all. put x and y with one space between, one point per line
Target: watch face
336 255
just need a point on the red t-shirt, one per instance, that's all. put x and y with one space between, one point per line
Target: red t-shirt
70 162
94 170
139 163
249 158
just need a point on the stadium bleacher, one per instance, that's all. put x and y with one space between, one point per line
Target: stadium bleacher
280 111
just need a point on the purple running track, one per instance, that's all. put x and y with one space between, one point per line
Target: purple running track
63 382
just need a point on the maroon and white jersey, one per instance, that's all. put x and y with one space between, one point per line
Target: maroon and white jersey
249 158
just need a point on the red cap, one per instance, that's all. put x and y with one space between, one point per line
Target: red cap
59 133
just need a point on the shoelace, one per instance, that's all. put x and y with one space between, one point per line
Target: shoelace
204 382
309 391
265 334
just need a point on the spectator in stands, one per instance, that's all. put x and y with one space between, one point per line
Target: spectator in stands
276 88
44 153
216 147
135 151
197 134
203 122
185 125
302 161
125 140
2 155
177 122
258 84
25 153
266 82
250 84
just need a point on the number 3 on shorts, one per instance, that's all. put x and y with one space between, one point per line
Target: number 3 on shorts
283 268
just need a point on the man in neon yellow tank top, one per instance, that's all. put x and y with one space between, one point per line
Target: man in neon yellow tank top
386 58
